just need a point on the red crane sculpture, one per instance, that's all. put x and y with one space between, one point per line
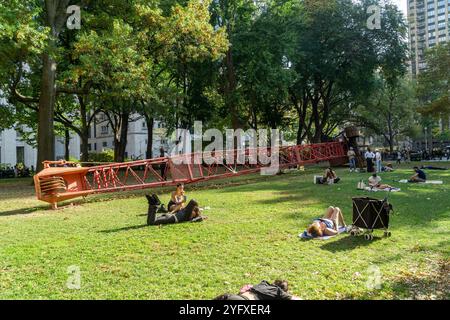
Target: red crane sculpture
61 180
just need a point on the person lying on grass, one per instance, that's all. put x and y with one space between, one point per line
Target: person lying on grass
375 182
189 213
328 225
419 176
262 291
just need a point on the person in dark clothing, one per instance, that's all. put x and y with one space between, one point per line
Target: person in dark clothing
262 291
419 176
330 177
190 213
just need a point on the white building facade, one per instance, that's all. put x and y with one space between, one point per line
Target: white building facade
102 137
14 150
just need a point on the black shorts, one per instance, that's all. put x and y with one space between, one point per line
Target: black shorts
171 203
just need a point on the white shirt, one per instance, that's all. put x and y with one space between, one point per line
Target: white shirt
378 156
369 155
374 181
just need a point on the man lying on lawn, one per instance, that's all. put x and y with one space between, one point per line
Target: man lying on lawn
189 213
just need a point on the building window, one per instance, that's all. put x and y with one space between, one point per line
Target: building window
20 155
89 147
104 129
105 144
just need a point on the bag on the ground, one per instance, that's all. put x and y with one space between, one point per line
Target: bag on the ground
361 185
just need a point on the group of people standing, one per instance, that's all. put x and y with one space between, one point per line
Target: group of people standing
374 161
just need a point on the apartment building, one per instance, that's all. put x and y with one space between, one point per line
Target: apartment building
428 26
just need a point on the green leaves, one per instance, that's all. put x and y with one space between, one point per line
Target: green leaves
434 82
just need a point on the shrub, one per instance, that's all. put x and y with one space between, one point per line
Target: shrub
104 156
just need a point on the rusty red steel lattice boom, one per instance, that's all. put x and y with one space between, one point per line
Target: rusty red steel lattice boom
62 180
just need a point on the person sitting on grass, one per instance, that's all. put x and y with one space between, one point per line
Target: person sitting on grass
387 168
375 182
329 177
419 176
189 213
328 225
262 291
177 199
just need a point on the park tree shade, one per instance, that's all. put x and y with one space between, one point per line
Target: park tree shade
107 60
389 111
434 83
300 66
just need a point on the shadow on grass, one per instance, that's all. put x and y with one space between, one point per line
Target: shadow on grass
346 243
23 211
125 229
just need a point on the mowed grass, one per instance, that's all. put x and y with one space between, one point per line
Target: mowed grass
251 235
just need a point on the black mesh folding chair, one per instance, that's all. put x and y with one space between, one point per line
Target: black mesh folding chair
370 214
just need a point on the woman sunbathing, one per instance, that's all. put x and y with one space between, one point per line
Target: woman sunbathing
375 182
189 213
328 225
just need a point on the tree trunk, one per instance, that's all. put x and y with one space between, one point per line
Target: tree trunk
84 147
317 138
55 15
391 134
120 140
84 132
66 144
46 134
230 89
300 131
150 122
430 140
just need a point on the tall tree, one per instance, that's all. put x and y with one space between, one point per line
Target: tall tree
433 88
336 58
389 112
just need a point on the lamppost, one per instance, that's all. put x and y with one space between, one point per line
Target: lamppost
426 139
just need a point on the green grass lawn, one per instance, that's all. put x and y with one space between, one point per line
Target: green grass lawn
251 235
